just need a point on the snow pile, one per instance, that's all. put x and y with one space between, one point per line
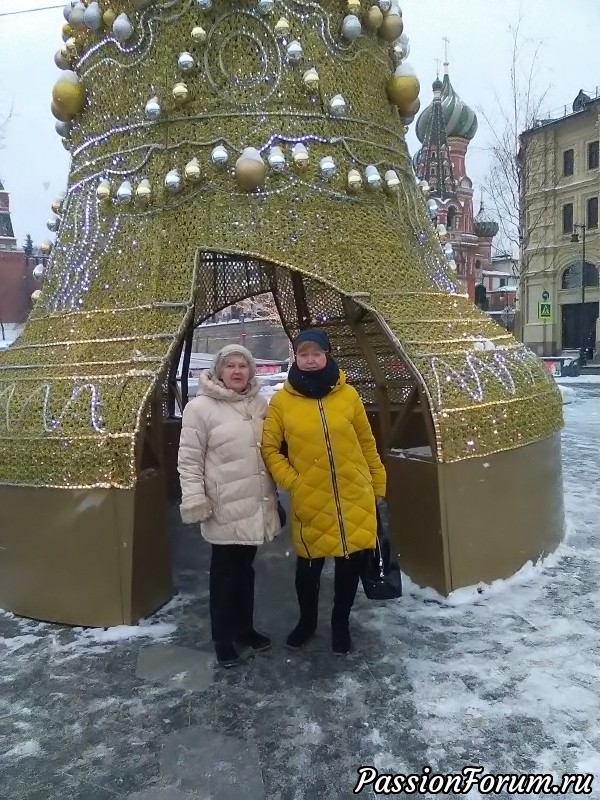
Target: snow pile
569 395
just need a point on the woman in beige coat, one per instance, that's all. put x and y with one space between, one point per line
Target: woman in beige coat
227 488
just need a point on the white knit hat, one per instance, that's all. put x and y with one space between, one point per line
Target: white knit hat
232 350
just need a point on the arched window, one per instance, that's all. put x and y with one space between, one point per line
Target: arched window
571 277
451 224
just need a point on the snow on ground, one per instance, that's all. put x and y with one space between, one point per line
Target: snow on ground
505 676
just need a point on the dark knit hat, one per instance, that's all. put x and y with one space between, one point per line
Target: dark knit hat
315 335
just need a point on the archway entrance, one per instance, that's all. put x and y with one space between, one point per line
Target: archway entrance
396 402
579 301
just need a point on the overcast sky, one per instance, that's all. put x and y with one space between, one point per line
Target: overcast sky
34 165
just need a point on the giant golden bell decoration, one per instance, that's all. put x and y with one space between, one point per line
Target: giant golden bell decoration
402 91
391 27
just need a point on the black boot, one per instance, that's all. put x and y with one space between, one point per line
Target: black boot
341 642
302 633
257 641
227 655
308 581
347 575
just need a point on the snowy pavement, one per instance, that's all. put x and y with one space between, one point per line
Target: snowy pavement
507 678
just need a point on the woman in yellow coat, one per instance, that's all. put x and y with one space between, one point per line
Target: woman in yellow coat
318 445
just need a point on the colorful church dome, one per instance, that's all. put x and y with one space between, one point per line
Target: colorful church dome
459 119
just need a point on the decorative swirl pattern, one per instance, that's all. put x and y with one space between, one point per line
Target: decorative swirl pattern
257 78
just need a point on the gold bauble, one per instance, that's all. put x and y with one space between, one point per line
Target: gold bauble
282 27
353 6
192 171
250 174
57 207
402 90
391 27
412 110
68 97
199 35
67 31
35 296
374 18
46 248
354 180
180 92
311 79
108 19
59 113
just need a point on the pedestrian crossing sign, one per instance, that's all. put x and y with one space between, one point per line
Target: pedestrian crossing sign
545 311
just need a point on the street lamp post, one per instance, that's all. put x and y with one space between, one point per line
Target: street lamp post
583 331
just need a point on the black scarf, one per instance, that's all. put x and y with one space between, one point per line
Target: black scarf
315 385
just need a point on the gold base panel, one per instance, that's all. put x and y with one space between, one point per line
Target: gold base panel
89 557
478 520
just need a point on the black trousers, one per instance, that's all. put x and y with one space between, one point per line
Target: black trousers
231 590
345 584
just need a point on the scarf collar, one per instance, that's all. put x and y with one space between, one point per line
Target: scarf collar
315 385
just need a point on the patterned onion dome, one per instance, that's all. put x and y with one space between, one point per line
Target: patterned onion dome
459 119
485 226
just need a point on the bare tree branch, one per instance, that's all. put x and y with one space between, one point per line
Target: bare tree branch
514 183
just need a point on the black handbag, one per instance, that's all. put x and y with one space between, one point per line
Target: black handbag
380 575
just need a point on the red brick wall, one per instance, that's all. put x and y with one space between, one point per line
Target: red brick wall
16 286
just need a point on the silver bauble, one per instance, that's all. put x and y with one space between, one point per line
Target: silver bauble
265 6
93 17
38 272
62 128
53 224
124 193
219 156
153 109
276 159
337 105
327 167
173 181
122 28
351 27
68 8
76 17
204 5
61 60
432 208
186 62
372 176
294 51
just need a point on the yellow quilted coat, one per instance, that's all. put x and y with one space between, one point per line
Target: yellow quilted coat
332 469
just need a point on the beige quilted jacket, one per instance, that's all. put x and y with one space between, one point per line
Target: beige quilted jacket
224 481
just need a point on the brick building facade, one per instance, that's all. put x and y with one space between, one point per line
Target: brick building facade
16 279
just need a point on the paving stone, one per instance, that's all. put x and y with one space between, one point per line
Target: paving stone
176 666
220 767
